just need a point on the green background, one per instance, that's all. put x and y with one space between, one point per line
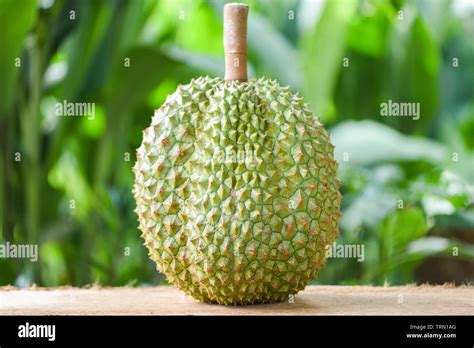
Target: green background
65 182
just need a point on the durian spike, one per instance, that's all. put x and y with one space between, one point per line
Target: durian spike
235 41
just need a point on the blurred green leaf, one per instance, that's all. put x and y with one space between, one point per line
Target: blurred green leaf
401 228
94 17
158 95
323 49
462 220
53 263
366 142
369 29
466 126
430 246
146 69
198 28
9 273
201 63
94 127
66 175
372 205
404 263
412 76
12 37
273 55
434 14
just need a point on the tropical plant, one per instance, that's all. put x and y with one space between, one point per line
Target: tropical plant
65 182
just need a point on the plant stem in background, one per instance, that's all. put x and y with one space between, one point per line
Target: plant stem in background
30 135
3 168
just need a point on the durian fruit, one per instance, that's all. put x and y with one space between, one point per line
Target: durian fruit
235 185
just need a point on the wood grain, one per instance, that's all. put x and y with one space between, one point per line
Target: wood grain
166 300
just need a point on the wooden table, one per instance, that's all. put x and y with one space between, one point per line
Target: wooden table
166 300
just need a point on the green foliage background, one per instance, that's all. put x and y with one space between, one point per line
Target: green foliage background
71 190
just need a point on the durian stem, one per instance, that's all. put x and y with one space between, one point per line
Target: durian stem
235 41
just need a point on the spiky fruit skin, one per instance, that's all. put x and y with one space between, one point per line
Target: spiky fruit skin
236 191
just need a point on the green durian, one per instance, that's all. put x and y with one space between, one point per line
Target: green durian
237 191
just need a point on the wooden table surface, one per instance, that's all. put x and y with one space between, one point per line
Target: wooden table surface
166 300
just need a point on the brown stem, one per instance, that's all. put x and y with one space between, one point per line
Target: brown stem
235 41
